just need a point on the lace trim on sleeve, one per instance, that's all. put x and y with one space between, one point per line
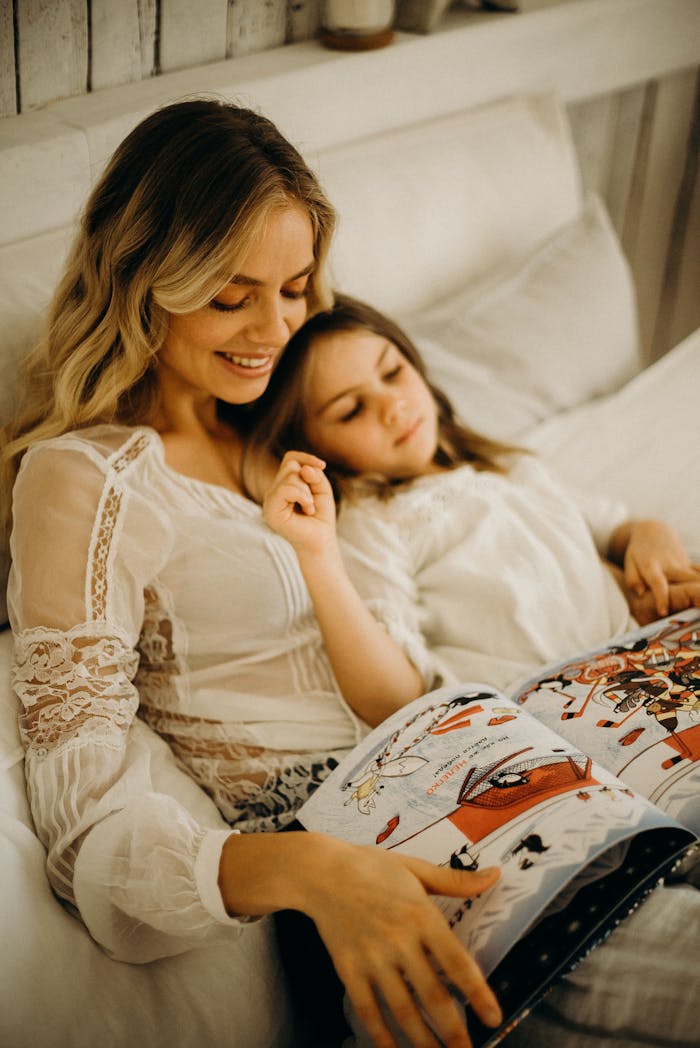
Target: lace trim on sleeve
106 523
74 685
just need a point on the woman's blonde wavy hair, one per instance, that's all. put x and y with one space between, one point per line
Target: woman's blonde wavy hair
178 207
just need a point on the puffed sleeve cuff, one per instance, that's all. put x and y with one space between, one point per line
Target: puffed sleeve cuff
206 875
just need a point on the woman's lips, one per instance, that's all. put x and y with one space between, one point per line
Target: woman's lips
247 365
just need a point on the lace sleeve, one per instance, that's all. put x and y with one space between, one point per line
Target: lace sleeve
129 858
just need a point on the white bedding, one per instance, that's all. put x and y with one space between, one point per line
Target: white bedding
638 438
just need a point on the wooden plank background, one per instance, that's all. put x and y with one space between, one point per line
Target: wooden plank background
637 148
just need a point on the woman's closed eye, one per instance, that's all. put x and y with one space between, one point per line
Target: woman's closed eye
393 373
291 293
229 307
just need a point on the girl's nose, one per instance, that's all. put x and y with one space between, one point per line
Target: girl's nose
394 408
267 323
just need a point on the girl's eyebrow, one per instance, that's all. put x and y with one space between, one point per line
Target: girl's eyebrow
241 278
346 392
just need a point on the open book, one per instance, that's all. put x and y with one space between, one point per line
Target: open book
583 786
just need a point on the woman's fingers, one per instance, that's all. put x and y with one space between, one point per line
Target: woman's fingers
446 1017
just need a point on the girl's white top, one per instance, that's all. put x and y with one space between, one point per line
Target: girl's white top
133 586
498 573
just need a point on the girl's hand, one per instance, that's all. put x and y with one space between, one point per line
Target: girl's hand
388 941
299 505
654 557
681 595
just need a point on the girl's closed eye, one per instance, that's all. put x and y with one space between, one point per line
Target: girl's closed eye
393 373
352 413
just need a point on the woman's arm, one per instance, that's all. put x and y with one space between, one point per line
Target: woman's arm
372 910
139 868
374 674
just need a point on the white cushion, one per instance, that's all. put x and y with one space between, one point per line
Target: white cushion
29 271
428 207
551 330
639 444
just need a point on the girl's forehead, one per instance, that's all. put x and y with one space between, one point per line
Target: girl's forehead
336 356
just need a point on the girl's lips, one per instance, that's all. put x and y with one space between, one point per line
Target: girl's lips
248 365
410 432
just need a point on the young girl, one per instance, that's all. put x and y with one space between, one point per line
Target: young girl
479 563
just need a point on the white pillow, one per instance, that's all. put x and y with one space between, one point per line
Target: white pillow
553 330
427 207
639 444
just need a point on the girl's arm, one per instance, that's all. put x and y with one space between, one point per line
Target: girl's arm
374 674
654 561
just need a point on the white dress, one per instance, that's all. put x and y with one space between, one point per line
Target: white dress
133 586
498 574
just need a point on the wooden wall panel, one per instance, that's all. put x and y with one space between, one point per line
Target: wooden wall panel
148 26
679 312
192 33
625 134
661 160
8 79
303 19
255 25
53 50
115 38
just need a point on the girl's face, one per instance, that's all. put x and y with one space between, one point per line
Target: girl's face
228 349
367 409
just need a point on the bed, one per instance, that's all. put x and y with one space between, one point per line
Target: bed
470 220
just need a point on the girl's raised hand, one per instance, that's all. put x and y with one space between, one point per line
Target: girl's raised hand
299 505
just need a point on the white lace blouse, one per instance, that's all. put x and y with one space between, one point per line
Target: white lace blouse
501 573
134 587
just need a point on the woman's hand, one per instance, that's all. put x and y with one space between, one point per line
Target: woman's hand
388 941
385 936
299 504
654 559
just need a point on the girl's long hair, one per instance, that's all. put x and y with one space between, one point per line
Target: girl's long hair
280 418
175 212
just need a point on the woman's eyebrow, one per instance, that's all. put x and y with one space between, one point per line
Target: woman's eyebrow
346 392
241 278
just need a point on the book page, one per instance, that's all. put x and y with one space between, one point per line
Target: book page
634 706
468 778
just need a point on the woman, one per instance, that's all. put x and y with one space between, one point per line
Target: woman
143 578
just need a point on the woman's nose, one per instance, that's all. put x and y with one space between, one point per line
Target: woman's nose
268 324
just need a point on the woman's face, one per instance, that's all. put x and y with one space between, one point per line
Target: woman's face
229 348
367 408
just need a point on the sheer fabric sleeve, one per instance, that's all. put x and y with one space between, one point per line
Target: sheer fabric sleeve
138 867
379 563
